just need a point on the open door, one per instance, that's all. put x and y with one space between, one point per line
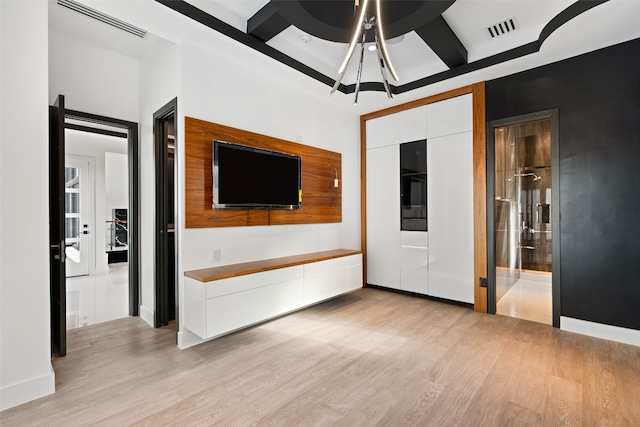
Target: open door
57 246
166 282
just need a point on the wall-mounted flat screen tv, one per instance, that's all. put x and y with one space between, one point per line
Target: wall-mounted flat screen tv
253 178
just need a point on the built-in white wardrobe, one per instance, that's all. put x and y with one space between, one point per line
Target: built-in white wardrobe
439 261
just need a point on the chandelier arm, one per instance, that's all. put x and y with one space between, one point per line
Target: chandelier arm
385 81
354 40
382 45
360 67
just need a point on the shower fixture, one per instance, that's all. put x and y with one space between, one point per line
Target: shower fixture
522 175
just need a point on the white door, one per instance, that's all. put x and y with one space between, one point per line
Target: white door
450 216
78 236
383 216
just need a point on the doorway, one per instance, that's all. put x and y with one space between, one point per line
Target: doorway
97 277
165 259
524 221
62 213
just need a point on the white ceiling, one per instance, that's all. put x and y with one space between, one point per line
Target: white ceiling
612 22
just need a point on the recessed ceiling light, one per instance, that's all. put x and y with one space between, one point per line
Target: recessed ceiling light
371 47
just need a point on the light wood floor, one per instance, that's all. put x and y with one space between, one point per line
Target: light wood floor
364 359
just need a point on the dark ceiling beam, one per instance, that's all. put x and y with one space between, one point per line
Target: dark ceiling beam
444 42
266 23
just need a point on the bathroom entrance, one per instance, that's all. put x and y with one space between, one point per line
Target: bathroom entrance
523 217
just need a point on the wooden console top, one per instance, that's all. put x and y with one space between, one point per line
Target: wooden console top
233 270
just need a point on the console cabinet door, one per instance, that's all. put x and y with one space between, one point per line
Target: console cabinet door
383 216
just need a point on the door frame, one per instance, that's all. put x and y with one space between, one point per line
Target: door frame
551 115
133 154
161 241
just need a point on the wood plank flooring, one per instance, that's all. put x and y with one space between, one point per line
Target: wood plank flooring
365 359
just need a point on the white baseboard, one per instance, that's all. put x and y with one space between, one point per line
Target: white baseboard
599 330
187 339
147 315
26 391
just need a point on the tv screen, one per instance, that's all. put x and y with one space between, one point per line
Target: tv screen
248 177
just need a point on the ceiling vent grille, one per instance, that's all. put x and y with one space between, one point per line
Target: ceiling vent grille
92 13
503 27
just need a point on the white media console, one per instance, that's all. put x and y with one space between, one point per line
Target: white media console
224 299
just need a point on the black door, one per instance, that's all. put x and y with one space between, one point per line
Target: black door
164 130
57 257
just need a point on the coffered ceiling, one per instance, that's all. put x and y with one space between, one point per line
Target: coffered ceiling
428 41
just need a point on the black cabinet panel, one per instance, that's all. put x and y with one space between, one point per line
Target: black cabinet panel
413 185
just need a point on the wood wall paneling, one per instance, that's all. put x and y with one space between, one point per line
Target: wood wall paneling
479 196
321 201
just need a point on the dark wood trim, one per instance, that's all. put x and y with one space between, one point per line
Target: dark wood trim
242 269
479 178
322 202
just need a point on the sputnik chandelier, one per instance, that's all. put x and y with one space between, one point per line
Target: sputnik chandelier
364 23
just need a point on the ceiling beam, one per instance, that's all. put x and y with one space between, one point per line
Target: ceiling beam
266 23
444 42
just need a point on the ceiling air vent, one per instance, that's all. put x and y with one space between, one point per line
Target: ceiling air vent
503 27
110 20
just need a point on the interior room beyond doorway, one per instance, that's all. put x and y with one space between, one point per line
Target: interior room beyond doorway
523 229
96 210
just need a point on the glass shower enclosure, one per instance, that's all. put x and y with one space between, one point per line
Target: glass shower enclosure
523 234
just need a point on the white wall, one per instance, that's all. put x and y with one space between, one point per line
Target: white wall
268 101
93 79
97 147
159 84
116 181
25 348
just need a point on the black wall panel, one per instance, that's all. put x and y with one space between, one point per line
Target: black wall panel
598 97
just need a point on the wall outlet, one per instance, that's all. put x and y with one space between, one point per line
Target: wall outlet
215 255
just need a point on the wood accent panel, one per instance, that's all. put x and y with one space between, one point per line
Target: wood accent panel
479 179
234 270
321 201
479 196
363 198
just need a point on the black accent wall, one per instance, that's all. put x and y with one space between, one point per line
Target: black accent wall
598 97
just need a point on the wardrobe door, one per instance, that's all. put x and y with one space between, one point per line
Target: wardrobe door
383 217
450 216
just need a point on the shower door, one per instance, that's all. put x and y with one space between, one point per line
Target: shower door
523 219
